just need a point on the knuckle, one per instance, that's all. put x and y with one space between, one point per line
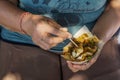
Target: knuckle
35 41
50 41
54 45
64 36
46 48
61 39
38 24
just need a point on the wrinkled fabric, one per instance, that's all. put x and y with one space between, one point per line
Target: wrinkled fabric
33 63
107 67
72 14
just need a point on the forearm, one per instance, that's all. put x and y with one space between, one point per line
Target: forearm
9 15
107 25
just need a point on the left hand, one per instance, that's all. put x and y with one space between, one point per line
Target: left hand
76 67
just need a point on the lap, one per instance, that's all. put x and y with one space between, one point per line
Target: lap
32 63
107 67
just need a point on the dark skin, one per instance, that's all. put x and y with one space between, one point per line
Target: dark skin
105 27
32 25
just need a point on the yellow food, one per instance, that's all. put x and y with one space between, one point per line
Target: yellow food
87 47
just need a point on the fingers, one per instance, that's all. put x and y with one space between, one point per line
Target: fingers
52 40
48 33
56 29
82 67
41 44
62 32
70 65
64 29
77 67
52 23
45 41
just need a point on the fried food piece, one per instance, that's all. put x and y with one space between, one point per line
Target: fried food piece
87 47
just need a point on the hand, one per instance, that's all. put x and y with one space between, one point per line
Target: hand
44 31
76 67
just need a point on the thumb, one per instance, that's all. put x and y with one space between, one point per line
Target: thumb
70 65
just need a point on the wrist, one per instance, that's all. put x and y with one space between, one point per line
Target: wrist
26 25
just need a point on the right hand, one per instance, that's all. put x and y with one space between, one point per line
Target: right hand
45 32
81 67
